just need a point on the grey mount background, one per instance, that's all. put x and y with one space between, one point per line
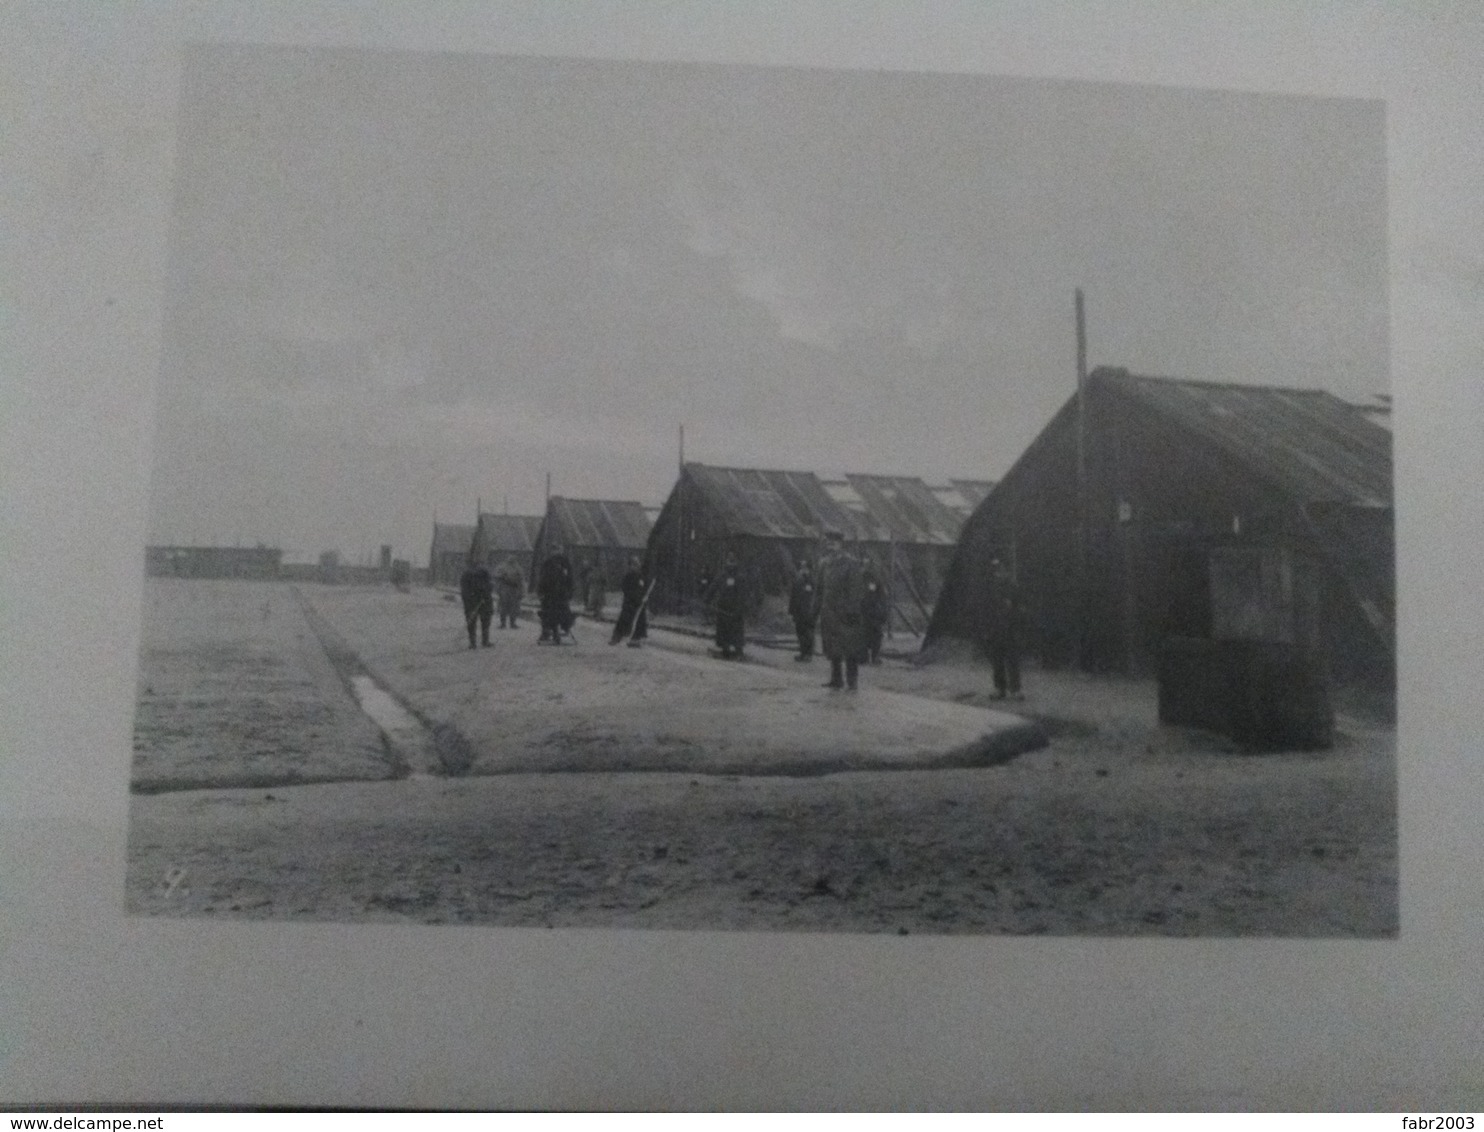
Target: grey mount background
102 1008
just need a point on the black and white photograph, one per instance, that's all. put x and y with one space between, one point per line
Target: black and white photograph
789 556
693 496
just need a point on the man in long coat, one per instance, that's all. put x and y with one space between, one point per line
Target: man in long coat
704 584
842 621
633 618
1002 630
730 610
477 592
877 610
554 587
801 609
510 586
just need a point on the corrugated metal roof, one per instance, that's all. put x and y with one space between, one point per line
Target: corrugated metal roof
1316 446
509 534
972 492
803 505
621 524
452 538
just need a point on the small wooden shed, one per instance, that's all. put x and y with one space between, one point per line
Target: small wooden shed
498 537
449 553
597 534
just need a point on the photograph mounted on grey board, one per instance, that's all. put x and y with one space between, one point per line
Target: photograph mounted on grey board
660 495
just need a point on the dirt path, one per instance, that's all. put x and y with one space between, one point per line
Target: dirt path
1033 847
519 706
1118 827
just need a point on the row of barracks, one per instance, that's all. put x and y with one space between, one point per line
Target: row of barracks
1148 509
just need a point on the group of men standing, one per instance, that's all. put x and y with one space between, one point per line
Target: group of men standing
843 599
480 591
555 587
849 605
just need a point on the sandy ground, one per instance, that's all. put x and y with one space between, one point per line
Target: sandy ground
520 706
1117 827
234 689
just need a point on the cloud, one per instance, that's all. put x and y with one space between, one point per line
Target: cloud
390 413
726 216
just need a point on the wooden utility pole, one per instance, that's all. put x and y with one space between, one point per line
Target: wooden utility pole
1084 572
1123 519
679 592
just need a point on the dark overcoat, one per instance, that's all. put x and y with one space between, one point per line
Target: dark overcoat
476 589
843 633
554 583
730 607
801 599
1002 623
877 603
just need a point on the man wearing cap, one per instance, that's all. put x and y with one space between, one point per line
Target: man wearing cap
554 588
1002 630
477 592
730 606
842 622
801 609
633 621
877 610
510 585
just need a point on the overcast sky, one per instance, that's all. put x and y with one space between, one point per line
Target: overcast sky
401 282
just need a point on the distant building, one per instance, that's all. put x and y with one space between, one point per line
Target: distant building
498 537
1185 482
773 520
449 553
601 533
300 572
257 562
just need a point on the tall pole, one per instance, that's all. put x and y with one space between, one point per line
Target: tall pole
680 594
1084 570
1123 519
548 487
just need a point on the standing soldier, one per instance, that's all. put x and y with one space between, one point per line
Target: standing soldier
1002 631
582 574
877 609
592 587
477 591
633 619
730 635
842 622
704 582
510 585
801 609
554 588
